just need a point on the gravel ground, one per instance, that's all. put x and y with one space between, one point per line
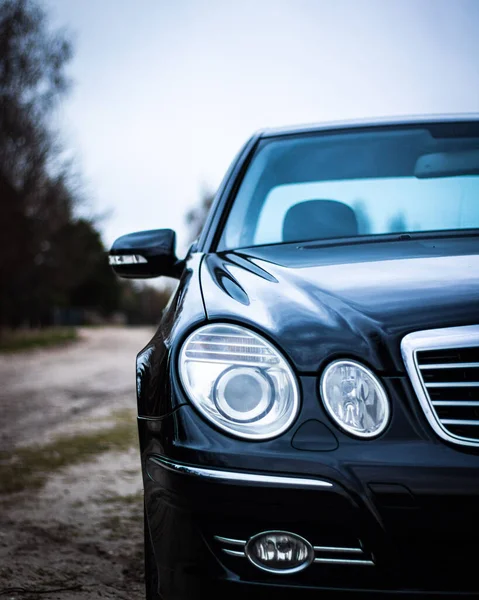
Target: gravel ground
71 514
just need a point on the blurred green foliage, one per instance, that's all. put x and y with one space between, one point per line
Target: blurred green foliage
53 265
196 217
13 341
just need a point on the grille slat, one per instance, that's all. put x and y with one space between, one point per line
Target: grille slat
457 411
460 422
455 403
447 356
443 365
472 365
445 381
451 393
454 384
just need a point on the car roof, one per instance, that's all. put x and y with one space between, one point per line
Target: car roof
362 123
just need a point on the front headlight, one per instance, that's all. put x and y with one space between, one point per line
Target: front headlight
239 381
355 398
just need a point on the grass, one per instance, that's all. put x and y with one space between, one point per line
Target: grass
28 339
29 467
128 500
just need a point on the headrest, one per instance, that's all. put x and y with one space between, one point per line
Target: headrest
319 219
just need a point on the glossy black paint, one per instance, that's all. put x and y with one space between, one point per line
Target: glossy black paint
321 301
156 390
409 497
156 246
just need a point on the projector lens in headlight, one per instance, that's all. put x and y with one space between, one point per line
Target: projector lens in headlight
239 381
243 394
355 398
279 552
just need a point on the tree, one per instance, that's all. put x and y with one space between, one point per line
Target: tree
34 201
362 217
77 269
50 258
143 304
196 217
397 223
32 80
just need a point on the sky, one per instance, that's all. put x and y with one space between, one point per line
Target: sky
165 92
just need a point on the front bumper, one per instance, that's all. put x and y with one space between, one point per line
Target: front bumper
197 515
407 500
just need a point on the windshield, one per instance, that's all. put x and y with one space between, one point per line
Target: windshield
371 182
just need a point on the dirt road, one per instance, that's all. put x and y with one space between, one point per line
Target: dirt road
70 488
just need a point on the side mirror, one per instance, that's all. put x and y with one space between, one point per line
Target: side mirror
146 254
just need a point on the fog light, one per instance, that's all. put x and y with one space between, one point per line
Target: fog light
279 552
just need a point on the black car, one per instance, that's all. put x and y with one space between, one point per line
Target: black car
309 407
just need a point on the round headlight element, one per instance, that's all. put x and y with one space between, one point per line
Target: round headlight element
239 381
243 394
355 398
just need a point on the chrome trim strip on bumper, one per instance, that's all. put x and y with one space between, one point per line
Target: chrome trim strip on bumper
437 339
234 552
224 540
239 476
335 549
344 561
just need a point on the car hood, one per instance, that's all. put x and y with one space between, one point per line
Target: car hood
321 302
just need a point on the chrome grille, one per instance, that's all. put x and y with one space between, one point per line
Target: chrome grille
443 365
